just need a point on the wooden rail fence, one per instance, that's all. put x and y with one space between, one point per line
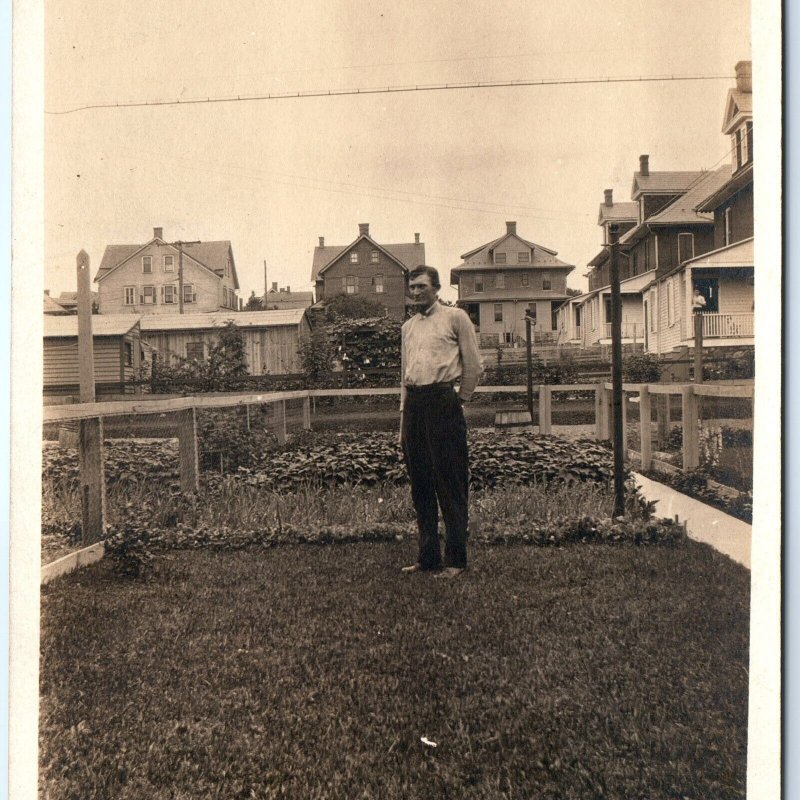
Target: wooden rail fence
178 417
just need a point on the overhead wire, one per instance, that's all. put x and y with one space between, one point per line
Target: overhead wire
431 87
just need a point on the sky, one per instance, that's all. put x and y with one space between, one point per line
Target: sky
272 176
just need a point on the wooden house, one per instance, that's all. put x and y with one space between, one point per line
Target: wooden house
272 338
118 354
502 280
146 279
365 267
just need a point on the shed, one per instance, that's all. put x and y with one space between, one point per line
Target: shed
272 338
117 354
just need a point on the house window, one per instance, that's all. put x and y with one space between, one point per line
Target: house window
354 258
128 354
546 282
523 258
130 296
749 140
737 146
685 247
148 295
499 258
195 351
373 257
188 293
498 312
525 279
147 264
351 284
227 267
169 263
170 294
500 281
377 282
635 264
607 307
670 302
727 222
479 283
653 312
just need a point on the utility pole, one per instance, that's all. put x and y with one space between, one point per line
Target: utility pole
529 322
616 372
179 245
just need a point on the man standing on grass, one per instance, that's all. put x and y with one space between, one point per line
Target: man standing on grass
438 346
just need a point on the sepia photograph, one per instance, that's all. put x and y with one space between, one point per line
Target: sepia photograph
402 418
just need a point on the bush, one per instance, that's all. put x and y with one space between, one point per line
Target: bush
641 368
735 365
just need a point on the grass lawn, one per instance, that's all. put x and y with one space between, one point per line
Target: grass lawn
313 672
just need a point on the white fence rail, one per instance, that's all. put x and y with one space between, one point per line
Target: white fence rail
727 326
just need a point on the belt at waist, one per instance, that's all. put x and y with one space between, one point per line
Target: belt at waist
429 387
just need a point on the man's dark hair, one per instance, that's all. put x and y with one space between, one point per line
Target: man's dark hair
431 272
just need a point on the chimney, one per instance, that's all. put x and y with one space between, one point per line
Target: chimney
363 229
158 233
608 195
274 286
288 288
322 241
416 238
644 165
744 76
511 227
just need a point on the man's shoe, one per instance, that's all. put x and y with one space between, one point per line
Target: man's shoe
450 572
418 568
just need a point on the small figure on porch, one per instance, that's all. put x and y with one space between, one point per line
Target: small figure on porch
698 301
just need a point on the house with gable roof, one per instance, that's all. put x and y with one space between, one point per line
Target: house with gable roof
724 270
365 267
667 229
502 280
144 278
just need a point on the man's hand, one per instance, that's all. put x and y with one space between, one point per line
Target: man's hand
400 433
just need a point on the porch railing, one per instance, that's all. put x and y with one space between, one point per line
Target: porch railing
723 326
630 330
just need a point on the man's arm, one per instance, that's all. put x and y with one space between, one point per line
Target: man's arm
471 367
402 381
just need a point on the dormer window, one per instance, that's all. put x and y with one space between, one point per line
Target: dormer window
524 258
737 147
499 258
227 268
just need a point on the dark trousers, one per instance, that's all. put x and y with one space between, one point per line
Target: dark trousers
435 449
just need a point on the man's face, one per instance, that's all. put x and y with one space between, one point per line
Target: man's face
422 291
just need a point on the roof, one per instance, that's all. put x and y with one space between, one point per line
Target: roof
102 325
52 306
739 254
280 298
489 246
498 295
682 211
243 319
739 180
212 255
617 212
662 182
738 105
409 254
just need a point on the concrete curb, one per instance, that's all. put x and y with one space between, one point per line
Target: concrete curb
72 561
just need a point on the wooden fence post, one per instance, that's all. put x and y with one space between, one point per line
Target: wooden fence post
598 411
306 413
645 428
625 426
663 420
544 410
691 444
93 486
188 450
280 420
608 413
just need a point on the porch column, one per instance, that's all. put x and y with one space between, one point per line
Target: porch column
688 322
